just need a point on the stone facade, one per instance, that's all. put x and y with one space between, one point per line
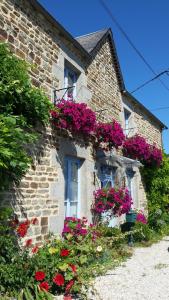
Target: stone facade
33 36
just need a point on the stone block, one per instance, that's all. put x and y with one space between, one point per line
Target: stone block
44 221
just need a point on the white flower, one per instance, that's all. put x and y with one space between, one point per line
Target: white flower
99 248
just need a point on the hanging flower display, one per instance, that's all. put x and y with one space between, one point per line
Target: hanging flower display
110 133
115 201
137 147
75 117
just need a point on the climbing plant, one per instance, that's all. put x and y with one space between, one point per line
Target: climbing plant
22 107
156 181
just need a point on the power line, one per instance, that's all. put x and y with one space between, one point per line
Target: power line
129 41
148 81
160 108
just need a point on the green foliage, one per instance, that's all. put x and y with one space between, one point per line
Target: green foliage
22 106
17 96
14 140
157 189
85 259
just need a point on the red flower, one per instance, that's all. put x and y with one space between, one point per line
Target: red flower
69 285
34 221
39 276
35 249
64 252
28 243
73 267
59 279
68 297
22 229
44 286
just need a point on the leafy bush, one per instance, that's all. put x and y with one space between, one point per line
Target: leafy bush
14 140
17 96
157 189
61 265
21 107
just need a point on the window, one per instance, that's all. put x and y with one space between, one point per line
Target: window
72 187
107 176
127 118
70 79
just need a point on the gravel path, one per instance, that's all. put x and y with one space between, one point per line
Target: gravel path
144 276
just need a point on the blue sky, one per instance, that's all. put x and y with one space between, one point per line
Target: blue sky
146 22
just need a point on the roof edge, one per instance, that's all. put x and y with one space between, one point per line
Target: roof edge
109 33
128 94
53 21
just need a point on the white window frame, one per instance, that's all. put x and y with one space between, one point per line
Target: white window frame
68 70
67 200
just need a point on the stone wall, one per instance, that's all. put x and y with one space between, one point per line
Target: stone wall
143 124
35 39
103 83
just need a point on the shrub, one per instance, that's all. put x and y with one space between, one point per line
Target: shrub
157 189
14 160
21 107
59 266
17 96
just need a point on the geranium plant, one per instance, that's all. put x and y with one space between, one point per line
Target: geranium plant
77 118
137 147
112 200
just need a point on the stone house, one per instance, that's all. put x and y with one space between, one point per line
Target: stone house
62 180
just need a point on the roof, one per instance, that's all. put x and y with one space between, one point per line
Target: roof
55 23
147 111
90 41
88 45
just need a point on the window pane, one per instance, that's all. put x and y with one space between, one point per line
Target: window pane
107 176
73 209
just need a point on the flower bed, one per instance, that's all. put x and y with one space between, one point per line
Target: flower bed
137 147
60 266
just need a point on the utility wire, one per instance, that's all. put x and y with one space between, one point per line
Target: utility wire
148 81
102 2
160 108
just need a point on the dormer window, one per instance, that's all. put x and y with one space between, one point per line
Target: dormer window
70 80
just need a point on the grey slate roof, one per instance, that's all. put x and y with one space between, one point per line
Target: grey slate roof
89 41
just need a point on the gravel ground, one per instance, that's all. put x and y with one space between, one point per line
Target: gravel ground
144 276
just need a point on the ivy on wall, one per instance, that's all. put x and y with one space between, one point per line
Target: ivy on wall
156 181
